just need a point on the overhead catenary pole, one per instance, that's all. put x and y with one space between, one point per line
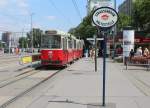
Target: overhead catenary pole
9 44
31 33
22 40
31 36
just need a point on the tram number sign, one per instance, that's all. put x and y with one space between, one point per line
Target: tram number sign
105 17
92 39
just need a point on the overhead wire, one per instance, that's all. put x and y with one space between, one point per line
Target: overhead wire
66 18
77 9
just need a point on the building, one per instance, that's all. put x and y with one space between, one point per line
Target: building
126 7
6 37
10 39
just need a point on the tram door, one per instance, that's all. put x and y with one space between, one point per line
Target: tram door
65 50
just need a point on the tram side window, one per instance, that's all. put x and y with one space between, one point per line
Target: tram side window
64 43
75 44
69 44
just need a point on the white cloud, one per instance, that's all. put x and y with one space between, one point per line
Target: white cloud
51 17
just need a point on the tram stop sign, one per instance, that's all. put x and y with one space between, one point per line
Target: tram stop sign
105 17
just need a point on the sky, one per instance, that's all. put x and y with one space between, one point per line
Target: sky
15 15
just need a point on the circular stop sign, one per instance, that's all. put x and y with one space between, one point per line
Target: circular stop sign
105 17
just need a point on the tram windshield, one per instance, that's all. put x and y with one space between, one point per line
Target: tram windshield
51 41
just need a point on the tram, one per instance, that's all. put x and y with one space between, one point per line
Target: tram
60 48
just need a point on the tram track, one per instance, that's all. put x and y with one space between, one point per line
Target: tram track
139 84
11 100
16 78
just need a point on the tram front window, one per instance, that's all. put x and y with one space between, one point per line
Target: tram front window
51 41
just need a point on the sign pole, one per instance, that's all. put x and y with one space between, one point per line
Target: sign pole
104 67
95 37
104 18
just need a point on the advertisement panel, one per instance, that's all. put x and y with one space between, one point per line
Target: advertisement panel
128 42
94 4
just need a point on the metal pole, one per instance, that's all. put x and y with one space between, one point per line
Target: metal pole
104 68
31 38
114 33
41 42
10 38
31 33
22 40
95 53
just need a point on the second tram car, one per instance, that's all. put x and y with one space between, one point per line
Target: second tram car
59 48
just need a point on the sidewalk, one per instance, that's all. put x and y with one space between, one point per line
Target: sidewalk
80 86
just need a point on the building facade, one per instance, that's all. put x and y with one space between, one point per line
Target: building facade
6 37
126 7
10 39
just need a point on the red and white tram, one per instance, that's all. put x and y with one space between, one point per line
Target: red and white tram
59 48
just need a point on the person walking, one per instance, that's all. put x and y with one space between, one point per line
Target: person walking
92 53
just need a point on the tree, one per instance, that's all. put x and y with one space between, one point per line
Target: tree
124 20
84 29
141 14
23 42
37 35
0 44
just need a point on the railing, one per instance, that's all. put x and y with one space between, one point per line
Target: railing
138 61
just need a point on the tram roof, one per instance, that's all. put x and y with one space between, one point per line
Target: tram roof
58 32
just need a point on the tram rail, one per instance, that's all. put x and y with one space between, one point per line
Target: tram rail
139 84
19 95
16 78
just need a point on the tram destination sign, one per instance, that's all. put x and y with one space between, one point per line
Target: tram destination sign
105 17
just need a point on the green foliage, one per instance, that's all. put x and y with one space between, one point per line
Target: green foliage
124 20
84 29
23 42
141 14
37 35
0 44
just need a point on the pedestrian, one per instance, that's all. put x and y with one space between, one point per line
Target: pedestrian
146 52
86 53
139 51
131 54
92 53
